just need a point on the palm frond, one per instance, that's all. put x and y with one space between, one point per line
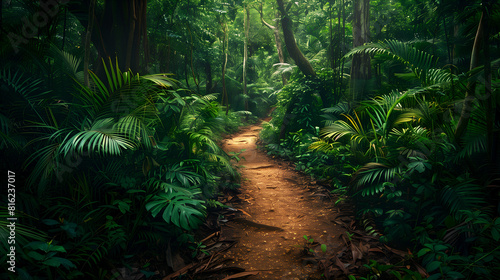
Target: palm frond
243 113
283 68
372 189
224 162
100 139
464 194
162 80
7 139
323 146
353 128
421 64
24 233
210 97
25 91
474 142
65 61
201 141
339 108
115 77
135 129
373 173
46 163
26 87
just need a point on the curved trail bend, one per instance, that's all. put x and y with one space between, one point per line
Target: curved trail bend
280 206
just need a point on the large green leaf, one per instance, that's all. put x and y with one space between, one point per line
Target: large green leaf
178 209
100 139
419 62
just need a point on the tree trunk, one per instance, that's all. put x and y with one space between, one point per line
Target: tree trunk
281 57
186 75
208 74
1 19
277 41
64 27
471 86
119 31
291 45
246 23
341 39
192 58
131 35
333 57
88 36
299 58
487 98
225 50
361 68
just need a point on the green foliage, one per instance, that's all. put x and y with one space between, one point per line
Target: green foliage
299 104
198 247
132 148
413 179
181 210
419 62
99 162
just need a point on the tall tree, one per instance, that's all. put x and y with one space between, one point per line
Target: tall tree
277 41
361 68
225 50
88 37
471 85
246 23
291 45
119 30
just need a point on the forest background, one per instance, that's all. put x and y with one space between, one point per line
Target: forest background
111 111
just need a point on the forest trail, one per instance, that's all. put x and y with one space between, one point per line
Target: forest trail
279 207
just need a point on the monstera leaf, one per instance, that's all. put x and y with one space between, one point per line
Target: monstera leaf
178 209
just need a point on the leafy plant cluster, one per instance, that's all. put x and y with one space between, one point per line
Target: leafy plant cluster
297 118
114 172
398 158
299 105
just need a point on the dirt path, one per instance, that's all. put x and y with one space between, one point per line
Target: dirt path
280 206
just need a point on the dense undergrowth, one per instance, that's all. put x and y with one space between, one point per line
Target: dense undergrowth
397 158
110 175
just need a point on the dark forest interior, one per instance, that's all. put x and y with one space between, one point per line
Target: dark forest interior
115 119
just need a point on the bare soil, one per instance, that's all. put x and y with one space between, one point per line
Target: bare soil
261 234
278 207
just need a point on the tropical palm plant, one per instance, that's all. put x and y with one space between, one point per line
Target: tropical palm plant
413 174
369 129
421 64
86 148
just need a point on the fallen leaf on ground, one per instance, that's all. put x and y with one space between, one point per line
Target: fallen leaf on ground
341 265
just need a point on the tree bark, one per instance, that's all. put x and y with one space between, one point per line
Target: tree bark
291 45
361 68
487 98
192 58
277 41
471 86
88 36
225 50
208 74
64 27
119 30
246 23
333 57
